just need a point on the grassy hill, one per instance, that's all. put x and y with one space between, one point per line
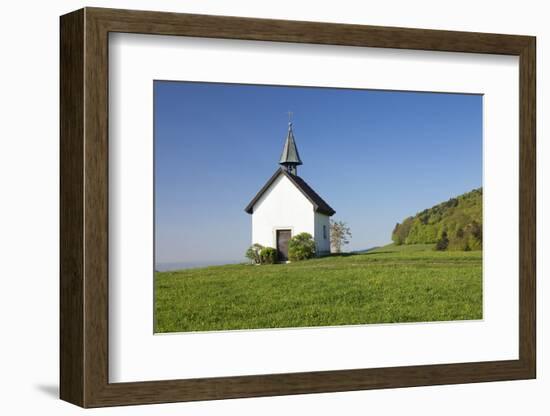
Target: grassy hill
407 283
453 225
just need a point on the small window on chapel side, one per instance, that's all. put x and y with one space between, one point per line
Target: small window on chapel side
325 232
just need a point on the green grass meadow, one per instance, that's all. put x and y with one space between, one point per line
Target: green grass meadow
409 283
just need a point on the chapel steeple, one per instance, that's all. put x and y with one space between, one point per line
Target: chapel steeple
290 158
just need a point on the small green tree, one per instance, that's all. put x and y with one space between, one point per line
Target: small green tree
401 231
253 253
268 255
301 247
476 230
340 235
443 242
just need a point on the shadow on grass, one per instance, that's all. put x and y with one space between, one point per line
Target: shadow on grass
349 254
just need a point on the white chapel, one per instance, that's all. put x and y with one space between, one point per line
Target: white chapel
287 205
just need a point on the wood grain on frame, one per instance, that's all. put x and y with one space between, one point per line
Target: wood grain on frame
72 213
84 207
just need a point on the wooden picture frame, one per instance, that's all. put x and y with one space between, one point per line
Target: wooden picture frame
84 207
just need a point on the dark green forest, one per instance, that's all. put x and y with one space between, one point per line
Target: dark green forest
456 224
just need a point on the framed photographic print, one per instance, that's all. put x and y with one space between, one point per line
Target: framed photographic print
255 207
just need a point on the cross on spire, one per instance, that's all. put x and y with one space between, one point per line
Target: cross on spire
289 117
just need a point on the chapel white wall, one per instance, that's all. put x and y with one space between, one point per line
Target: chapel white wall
282 206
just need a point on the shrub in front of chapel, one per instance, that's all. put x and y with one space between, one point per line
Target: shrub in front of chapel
268 255
301 247
253 253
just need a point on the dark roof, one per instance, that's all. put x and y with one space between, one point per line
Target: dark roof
290 155
318 203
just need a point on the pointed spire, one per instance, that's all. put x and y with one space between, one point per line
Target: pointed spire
290 158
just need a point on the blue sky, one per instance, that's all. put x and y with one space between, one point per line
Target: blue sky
375 156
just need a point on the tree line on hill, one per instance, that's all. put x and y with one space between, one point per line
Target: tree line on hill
456 224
